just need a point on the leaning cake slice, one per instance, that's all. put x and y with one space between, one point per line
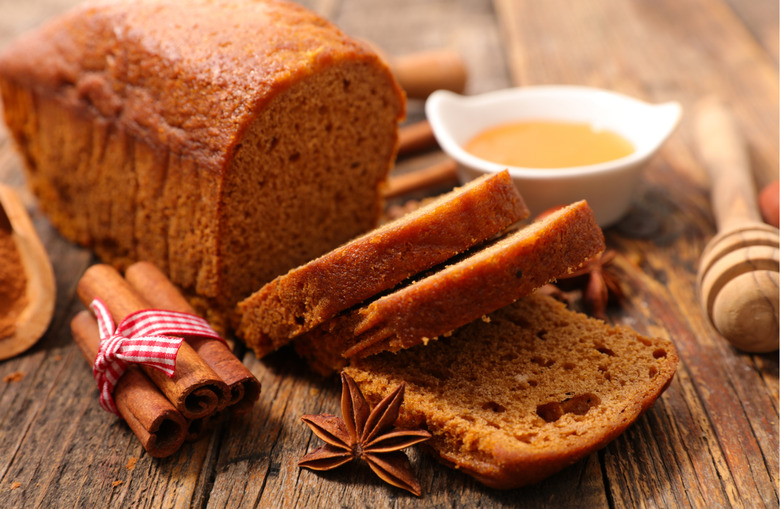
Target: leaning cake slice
488 279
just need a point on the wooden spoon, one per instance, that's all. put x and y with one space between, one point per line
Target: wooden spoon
738 270
34 319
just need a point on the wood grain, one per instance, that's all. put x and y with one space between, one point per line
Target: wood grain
710 441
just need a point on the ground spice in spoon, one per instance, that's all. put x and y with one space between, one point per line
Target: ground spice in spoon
13 280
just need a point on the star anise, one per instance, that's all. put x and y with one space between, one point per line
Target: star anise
366 434
601 282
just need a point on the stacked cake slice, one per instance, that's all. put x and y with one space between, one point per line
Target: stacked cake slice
512 385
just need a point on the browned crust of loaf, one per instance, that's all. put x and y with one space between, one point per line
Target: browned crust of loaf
309 295
514 470
456 295
607 362
156 79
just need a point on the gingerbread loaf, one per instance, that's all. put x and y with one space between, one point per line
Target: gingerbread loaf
525 392
309 295
488 279
226 141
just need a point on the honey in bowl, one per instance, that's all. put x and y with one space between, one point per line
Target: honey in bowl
548 144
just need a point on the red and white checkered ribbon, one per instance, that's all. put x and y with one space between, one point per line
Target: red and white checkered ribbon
141 338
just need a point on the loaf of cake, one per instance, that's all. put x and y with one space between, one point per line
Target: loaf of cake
524 392
488 279
226 141
309 295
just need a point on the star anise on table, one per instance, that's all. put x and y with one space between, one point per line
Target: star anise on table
601 282
366 434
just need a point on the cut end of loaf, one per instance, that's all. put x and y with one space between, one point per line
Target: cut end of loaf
535 388
307 175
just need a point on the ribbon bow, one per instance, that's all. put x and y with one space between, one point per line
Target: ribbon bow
141 338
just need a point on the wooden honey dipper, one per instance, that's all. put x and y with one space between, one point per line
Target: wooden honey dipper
738 270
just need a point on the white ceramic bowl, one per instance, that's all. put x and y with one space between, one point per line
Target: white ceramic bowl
608 187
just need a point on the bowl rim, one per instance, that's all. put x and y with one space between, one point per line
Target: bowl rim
439 98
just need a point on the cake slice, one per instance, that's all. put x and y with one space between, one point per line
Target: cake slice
311 294
525 392
489 279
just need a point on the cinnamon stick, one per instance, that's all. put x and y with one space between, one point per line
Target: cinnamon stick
421 73
154 286
200 428
438 174
152 418
415 137
195 389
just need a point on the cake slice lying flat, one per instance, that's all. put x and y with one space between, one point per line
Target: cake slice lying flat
522 394
489 279
311 294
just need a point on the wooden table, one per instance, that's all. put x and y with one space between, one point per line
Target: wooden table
710 441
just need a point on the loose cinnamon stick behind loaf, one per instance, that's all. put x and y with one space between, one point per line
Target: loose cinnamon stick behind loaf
311 294
414 137
152 418
152 285
195 389
445 172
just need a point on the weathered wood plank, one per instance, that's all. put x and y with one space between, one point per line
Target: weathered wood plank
721 435
760 18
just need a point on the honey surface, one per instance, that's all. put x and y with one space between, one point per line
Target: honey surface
544 144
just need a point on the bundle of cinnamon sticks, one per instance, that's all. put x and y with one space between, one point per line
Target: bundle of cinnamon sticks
163 411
